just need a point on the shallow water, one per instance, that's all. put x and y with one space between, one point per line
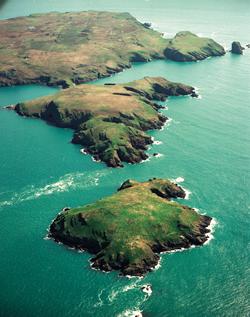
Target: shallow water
206 143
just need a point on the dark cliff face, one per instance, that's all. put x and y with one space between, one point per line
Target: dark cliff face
237 48
64 118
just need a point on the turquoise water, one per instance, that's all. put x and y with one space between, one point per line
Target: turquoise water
206 143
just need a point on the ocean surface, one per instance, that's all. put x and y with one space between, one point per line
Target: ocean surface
206 143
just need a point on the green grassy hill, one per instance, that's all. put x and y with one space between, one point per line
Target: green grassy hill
129 229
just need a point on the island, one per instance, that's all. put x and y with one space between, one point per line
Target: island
128 230
237 48
109 120
62 49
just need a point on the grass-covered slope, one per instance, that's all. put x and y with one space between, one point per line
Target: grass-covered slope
128 230
188 47
109 121
66 48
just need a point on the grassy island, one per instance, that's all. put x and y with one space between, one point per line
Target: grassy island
109 120
65 48
129 229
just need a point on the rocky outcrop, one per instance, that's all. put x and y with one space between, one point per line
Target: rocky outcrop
188 47
128 230
237 48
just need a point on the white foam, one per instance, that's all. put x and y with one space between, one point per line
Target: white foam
174 251
158 265
211 227
187 193
131 313
65 183
95 160
6 203
147 289
166 123
144 161
196 209
157 142
97 269
113 295
134 277
100 301
179 180
83 151
158 155
131 286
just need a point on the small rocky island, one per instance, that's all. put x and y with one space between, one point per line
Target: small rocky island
109 120
128 230
237 48
62 49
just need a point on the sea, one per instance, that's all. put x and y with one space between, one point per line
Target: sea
205 147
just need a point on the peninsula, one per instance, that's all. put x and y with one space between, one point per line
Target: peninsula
129 229
62 49
109 120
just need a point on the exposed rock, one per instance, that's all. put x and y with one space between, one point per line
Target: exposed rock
147 25
237 48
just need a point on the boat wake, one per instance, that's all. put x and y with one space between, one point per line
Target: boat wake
65 183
